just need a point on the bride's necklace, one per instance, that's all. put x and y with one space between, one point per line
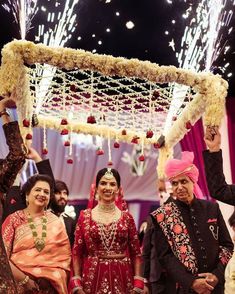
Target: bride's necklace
39 242
106 207
107 218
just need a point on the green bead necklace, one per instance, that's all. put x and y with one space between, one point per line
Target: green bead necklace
39 242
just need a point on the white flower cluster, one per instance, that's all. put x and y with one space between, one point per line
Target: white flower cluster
209 99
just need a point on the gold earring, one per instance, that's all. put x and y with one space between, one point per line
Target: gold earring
27 202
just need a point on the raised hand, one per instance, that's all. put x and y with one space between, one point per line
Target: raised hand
212 138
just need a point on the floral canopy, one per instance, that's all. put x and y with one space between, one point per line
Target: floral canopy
122 99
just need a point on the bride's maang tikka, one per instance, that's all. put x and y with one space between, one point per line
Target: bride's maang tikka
108 175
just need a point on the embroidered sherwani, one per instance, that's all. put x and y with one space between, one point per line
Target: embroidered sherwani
192 239
9 167
106 275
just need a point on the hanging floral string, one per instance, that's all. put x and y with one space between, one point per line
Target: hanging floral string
70 158
109 152
44 150
116 143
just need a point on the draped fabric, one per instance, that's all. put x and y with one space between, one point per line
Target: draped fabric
101 274
52 263
194 141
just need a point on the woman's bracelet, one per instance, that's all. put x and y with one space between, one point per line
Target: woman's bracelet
138 284
24 281
75 283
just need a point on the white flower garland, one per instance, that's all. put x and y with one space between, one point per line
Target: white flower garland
209 100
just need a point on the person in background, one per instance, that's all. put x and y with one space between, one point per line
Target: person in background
58 202
106 252
14 200
36 242
213 163
9 167
192 243
229 286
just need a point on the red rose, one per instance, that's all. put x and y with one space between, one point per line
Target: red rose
64 132
149 134
141 158
99 151
124 132
29 137
64 122
91 119
135 140
70 161
156 145
188 125
44 151
116 145
26 123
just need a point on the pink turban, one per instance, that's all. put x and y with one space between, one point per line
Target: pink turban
185 166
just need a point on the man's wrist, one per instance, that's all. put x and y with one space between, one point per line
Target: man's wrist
214 149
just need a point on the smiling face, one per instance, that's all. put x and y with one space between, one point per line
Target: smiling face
39 195
107 189
182 188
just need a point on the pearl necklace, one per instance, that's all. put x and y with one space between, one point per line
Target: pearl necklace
39 242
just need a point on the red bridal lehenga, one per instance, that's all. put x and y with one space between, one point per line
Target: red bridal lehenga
95 242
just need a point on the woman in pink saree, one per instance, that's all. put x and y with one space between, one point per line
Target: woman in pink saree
106 253
36 242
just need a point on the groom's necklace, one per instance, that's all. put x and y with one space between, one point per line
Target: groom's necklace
39 242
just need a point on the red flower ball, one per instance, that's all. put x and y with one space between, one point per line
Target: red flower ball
149 134
29 137
64 132
91 119
141 158
26 123
124 132
110 163
188 125
116 145
99 151
44 151
156 145
66 143
64 122
135 140
70 161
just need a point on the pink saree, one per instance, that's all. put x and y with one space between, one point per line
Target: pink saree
52 263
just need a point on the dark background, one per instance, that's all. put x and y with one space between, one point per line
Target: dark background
146 41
